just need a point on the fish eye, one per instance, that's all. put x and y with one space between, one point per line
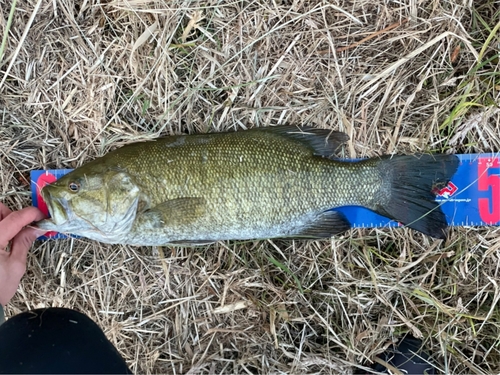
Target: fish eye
74 186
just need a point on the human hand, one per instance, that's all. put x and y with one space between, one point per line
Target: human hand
15 241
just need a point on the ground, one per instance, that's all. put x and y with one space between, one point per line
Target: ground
79 78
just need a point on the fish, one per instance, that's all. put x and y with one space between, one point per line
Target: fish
263 183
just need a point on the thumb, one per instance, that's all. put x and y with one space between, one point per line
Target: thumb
22 242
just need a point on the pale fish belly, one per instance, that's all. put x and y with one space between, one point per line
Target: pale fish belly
153 234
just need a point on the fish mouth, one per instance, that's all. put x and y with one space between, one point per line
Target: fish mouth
58 208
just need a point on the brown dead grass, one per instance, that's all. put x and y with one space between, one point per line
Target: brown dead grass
80 78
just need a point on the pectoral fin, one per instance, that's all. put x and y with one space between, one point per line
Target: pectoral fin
177 212
325 225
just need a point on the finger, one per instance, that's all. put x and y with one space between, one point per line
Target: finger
4 211
22 242
14 222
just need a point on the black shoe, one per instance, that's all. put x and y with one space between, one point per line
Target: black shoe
407 356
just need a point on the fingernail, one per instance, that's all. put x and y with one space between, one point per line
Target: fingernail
39 232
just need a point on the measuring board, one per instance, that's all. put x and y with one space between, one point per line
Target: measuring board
471 198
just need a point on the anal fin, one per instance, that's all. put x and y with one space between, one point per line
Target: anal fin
326 225
189 243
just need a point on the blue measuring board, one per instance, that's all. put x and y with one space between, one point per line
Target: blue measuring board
471 198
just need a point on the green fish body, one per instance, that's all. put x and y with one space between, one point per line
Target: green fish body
278 182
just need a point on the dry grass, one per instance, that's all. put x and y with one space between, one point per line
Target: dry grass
80 78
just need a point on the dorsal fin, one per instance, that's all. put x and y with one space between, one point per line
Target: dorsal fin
322 142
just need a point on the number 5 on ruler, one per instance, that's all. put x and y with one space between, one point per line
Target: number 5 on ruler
489 208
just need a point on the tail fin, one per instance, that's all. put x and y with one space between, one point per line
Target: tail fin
413 182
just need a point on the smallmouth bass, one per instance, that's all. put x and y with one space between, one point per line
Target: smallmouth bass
276 182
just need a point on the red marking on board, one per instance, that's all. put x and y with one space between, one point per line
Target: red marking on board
489 210
448 190
44 179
